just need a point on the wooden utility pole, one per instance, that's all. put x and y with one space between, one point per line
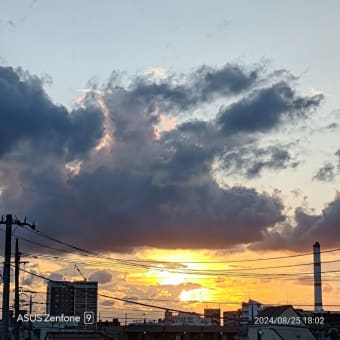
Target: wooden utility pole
16 280
16 287
6 277
9 221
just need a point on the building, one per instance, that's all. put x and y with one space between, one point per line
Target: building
214 314
232 318
184 319
168 318
190 319
73 299
249 311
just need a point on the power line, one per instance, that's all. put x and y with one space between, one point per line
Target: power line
192 271
205 270
110 297
122 299
151 305
45 235
201 272
231 273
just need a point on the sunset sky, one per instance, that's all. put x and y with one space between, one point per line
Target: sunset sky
185 142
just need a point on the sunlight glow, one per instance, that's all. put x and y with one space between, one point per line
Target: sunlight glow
107 140
164 124
198 294
168 278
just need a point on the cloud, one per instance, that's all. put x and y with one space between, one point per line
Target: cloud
201 86
7 24
146 189
11 24
156 73
297 192
229 80
265 109
327 287
28 281
332 126
250 161
323 227
56 277
305 281
337 154
102 276
28 116
326 173
107 303
134 212
329 171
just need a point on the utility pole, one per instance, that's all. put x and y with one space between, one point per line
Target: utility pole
31 304
9 221
16 277
30 323
16 288
6 277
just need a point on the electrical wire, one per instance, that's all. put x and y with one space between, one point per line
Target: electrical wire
45 235
129 263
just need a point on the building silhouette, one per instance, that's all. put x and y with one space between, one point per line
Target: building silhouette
72 298
214 314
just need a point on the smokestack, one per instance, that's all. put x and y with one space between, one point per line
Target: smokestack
317 279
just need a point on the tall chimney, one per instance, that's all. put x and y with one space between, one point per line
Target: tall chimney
317 279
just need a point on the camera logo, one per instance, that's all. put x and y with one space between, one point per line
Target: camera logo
88 318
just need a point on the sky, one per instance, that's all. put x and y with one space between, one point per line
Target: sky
174 132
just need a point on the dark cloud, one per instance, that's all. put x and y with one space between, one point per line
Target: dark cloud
323 227
145 189
132 122
249 161
229 80
187 162
329 171
337 154
131 211
326 173
190 151
102 276
264 109
332 126
29 116
202 86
